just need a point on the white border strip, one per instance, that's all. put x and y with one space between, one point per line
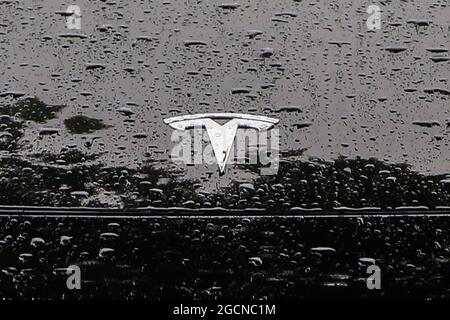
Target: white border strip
212 213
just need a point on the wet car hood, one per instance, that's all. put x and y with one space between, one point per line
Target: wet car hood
363 114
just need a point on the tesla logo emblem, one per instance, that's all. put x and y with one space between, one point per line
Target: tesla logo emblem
222 136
